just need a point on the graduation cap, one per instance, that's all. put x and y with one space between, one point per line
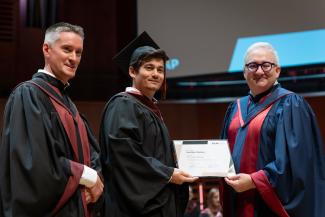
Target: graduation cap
142 46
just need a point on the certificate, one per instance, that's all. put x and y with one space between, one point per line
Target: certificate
204 158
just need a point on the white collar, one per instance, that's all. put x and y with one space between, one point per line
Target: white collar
52 75
133 90
46 72
136 91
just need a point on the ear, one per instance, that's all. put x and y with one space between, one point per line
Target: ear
46 48
132 72
245 74
277 71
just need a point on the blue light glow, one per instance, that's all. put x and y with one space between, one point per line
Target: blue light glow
294 49
172 64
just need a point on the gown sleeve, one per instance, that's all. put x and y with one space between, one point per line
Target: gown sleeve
33 168
94 164
139 178
296 172
94 148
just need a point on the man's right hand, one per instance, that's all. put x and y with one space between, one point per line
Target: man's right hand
179 177
95 191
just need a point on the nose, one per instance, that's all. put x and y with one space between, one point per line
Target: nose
73 56
259 70
155 73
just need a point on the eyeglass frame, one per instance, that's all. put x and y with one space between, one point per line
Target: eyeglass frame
260 65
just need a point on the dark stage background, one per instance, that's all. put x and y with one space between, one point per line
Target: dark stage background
109 25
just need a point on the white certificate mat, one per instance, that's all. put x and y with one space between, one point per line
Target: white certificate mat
204 158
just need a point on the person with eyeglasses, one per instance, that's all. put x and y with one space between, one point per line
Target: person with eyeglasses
276 145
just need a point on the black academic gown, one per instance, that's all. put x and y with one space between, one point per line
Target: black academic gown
138 161
39 173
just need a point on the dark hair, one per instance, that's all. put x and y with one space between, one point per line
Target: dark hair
148 56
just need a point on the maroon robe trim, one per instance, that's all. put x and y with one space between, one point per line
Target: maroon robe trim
248 165
249 160
81 128
67 120
152 107
260 102
147 102
268 194
72 185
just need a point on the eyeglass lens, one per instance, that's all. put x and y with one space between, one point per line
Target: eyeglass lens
253 67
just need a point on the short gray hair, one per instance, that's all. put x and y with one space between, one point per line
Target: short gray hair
264 46
53 32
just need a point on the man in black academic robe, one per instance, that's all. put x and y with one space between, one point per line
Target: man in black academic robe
138 157
49 158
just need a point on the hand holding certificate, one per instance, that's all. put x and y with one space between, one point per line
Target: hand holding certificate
205 158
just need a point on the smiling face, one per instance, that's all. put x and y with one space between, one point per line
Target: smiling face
63 56
260 81
150 76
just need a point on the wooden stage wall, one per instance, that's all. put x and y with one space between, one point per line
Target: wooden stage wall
185 121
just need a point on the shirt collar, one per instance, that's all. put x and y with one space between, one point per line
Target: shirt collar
136 91
258 97
53 80
52 75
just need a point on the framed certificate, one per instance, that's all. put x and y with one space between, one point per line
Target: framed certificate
204 158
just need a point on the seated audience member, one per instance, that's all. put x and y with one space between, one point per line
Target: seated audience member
192 209
213 201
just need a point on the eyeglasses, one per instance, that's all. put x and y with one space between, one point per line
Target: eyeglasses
266 66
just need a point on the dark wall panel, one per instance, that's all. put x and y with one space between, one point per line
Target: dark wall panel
186 121
108 25
194 121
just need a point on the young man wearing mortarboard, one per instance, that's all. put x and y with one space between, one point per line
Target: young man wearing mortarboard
139 165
